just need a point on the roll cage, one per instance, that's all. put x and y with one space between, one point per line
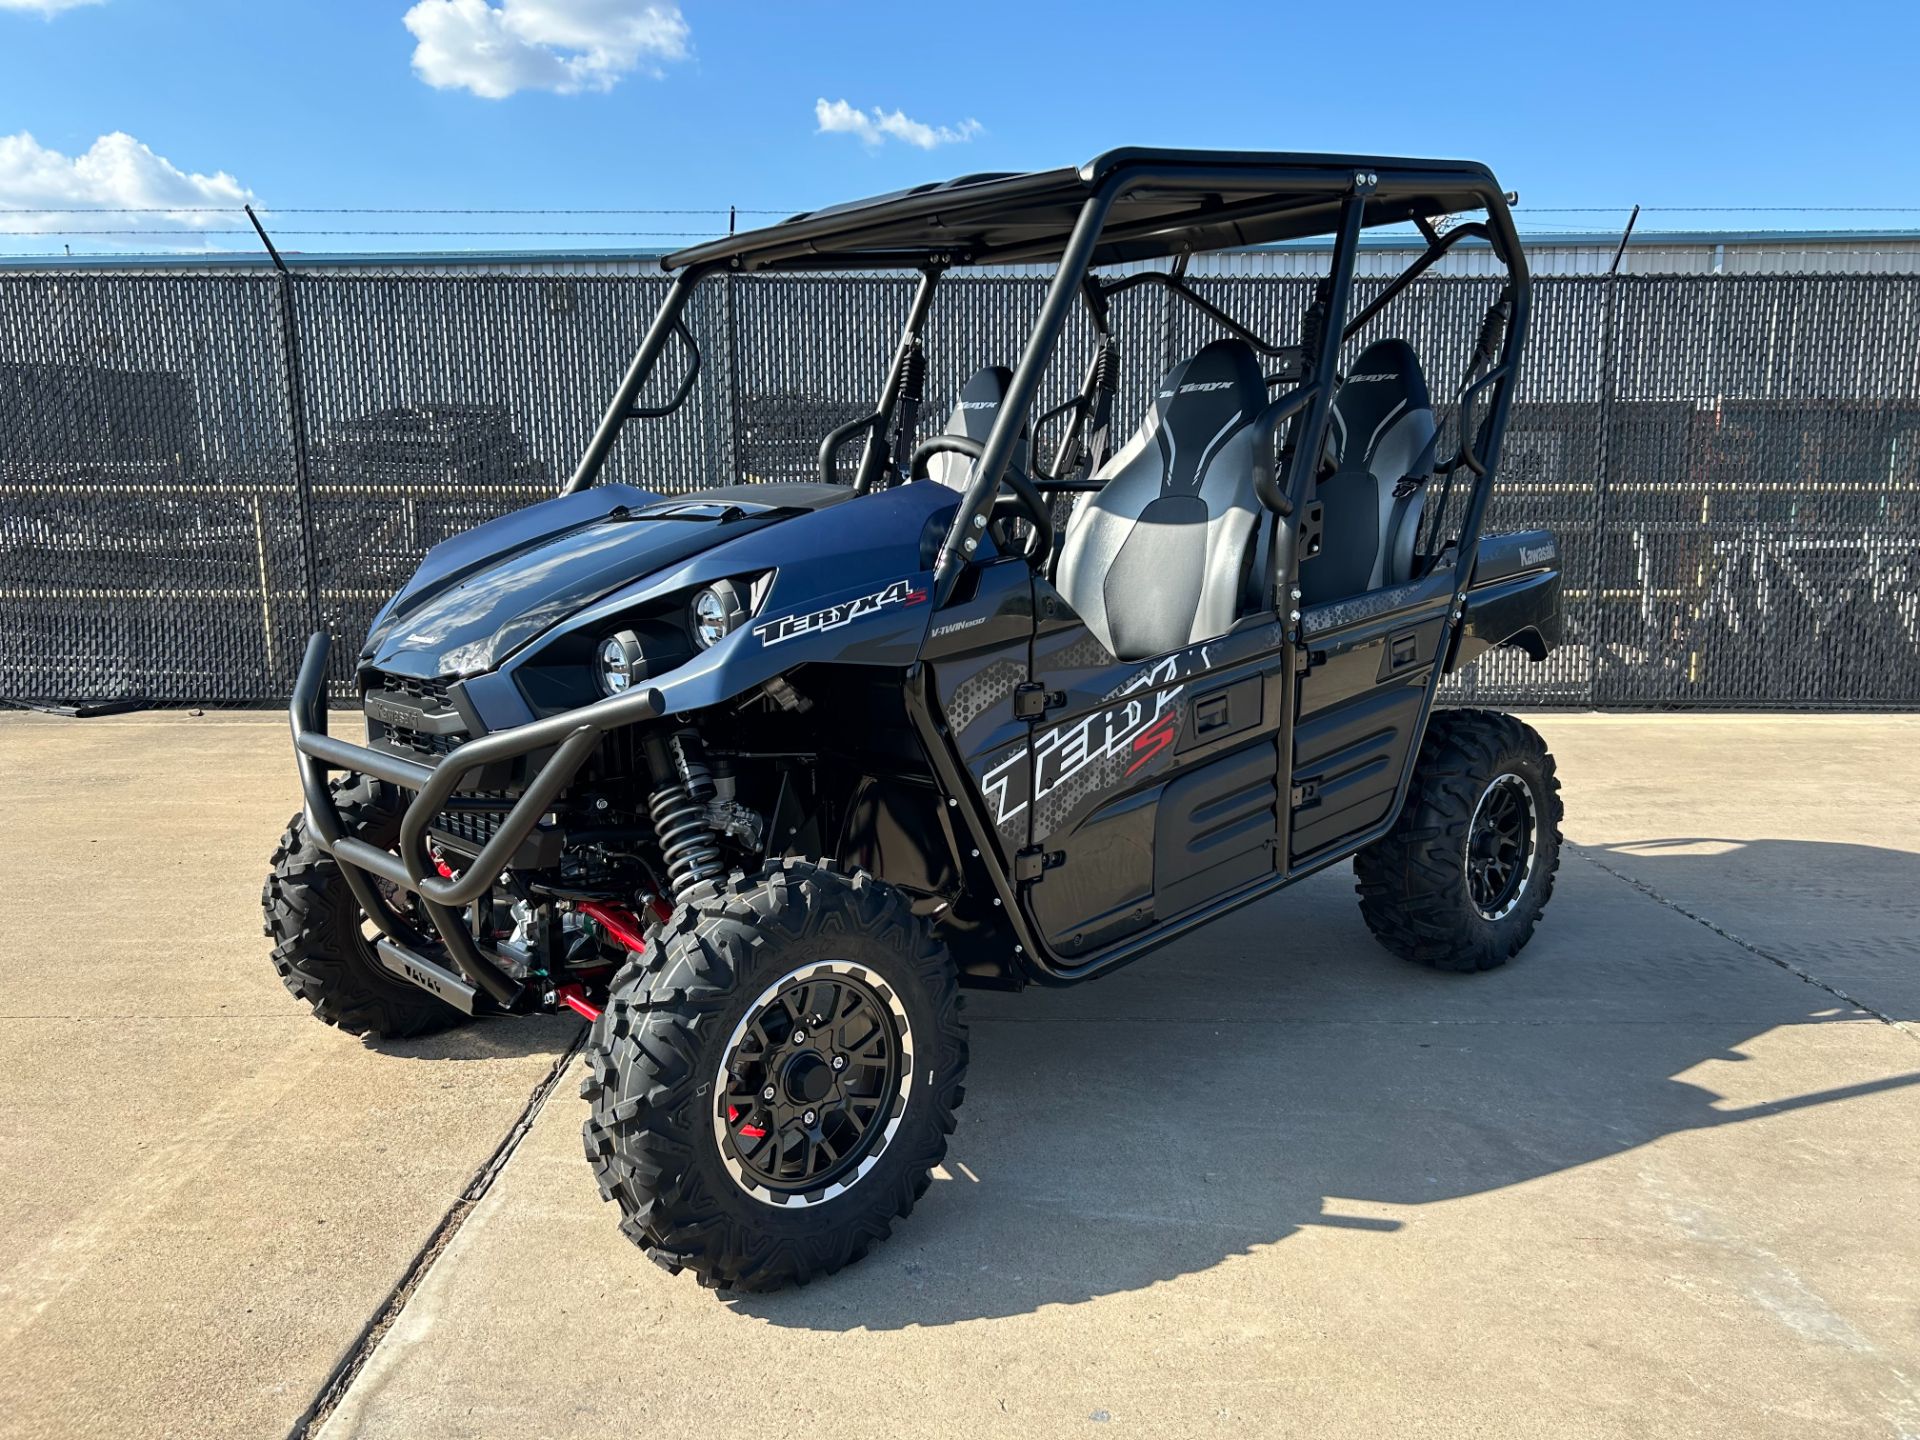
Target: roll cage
1127 207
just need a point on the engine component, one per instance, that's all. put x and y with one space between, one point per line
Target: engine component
781 692
731 818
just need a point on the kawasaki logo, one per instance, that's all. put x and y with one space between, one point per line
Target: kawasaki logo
389 713
900 592
1536 554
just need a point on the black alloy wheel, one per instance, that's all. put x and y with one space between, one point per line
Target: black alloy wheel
1460 881
813 1084
1500 846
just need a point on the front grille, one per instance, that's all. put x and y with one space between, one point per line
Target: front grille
398 686
393 700
402 737
471 828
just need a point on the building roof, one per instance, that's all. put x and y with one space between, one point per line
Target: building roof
648 260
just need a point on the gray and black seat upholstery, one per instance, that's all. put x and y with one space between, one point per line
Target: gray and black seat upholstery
1381 439
1157 557
973 416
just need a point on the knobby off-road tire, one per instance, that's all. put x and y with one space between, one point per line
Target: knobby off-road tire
662 1056
320 949
1417 883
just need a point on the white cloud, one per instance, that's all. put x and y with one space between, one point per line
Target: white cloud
48 8
875 126
565 46
117 171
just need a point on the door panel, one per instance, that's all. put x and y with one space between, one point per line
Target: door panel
1153 783
1214 830
1346 761
977 654
1361 701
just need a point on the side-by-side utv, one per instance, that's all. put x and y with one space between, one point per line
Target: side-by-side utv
756 777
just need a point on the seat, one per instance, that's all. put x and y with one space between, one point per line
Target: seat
973 416
1381 440
1156 558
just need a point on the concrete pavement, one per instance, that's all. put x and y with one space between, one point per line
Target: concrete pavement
1655 1178
204 1193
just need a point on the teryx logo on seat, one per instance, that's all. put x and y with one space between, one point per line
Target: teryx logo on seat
900 592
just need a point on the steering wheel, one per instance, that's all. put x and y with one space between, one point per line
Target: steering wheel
1024 503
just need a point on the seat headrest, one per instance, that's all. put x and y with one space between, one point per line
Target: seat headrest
1384 384
973 416
1201 402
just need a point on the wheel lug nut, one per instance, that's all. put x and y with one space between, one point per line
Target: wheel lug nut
839 1062
767 1094
808 1118
799 1037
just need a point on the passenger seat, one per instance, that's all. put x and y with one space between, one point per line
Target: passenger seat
1382 437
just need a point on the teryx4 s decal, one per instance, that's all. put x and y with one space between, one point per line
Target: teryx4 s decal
1129 733
900 592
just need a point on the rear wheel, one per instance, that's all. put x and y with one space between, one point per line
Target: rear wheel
322 950
1461 879
774 1080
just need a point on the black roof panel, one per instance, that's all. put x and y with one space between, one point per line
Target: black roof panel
1171 201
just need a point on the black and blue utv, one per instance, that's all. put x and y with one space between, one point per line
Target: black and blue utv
756 777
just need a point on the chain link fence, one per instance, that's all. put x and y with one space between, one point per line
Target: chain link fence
198 470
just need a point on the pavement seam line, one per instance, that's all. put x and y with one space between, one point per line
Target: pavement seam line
353 1360
1745 944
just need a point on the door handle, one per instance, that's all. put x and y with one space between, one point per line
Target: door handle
1403 649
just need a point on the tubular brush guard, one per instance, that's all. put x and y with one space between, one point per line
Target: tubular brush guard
573 737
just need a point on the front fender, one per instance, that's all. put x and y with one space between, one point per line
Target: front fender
852 586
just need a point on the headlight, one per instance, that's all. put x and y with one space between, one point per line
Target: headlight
621 662
717 612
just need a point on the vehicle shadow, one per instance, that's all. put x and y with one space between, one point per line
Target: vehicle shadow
1283 1072
500 1037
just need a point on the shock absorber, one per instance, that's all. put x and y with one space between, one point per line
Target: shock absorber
679 812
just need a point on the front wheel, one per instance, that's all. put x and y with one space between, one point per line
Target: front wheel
1461 879
774 1080
321 947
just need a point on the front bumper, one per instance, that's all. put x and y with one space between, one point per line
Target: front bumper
572 737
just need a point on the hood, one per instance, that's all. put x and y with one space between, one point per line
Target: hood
481 595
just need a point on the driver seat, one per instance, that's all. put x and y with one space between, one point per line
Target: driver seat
1156 558
973 416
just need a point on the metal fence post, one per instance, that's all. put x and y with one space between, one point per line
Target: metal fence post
736 447
302 475
1603 463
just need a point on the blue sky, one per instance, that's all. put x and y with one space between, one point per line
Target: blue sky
603 103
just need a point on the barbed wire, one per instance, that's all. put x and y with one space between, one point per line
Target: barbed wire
364 210
191 233
1724 209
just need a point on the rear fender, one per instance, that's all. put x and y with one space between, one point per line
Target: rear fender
1512 599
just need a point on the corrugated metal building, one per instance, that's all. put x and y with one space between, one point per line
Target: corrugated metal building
1697 252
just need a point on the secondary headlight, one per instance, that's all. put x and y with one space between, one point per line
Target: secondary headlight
621 662
717 612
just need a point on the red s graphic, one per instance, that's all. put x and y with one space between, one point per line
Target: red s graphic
1151 741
